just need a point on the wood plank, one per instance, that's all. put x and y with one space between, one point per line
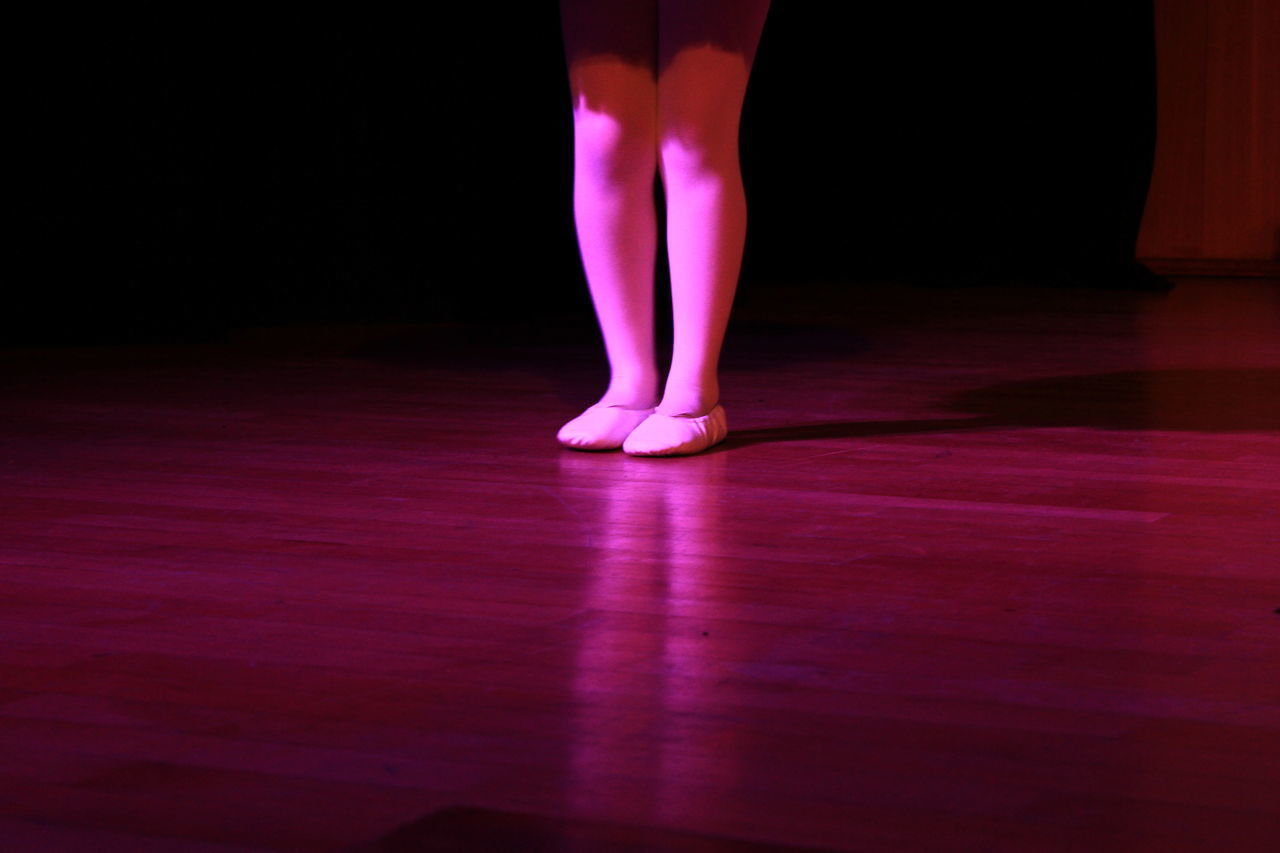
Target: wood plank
985 570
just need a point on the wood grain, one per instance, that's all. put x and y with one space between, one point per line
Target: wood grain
986 569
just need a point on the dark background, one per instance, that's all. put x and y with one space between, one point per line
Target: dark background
193 172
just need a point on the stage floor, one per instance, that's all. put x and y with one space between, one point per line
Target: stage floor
987 569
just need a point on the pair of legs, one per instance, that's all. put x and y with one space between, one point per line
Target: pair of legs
657 89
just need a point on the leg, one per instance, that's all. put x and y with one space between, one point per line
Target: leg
706 48
611 50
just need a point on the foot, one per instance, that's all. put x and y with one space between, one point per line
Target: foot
601 427
677 435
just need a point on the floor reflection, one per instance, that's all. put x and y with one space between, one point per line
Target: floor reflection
646 740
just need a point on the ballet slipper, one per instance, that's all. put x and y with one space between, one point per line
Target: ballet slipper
601 427
677 435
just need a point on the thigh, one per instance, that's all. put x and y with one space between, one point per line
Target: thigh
705 52
611 47
732 26
621 30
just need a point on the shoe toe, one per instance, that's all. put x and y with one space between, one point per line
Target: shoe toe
601 428
667 435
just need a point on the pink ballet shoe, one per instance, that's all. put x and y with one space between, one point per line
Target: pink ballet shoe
601 427
675 435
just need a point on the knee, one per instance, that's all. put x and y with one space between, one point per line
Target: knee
700 94
697 157
613 149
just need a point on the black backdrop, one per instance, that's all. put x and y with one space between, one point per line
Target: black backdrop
196 171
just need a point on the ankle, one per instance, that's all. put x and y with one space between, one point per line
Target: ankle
693 403
630 395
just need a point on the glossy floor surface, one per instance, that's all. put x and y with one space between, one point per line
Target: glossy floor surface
989 570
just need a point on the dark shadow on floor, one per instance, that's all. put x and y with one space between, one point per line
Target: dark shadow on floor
1198 400
473 830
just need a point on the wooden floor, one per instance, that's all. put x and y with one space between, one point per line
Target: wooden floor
979 570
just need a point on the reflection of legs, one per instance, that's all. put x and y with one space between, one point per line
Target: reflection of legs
611 48
707 47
